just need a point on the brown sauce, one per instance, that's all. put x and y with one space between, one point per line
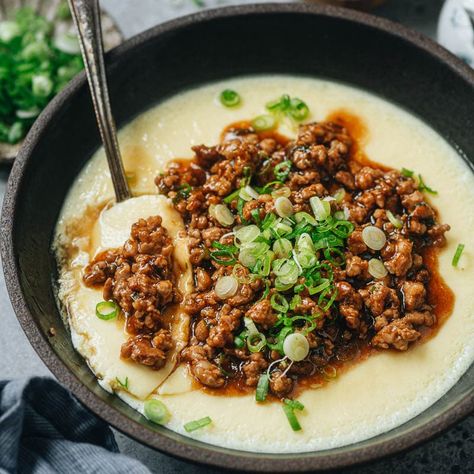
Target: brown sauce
439 295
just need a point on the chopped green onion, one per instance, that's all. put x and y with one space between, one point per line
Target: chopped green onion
229 98
290 415
282 248
304 217
422 186
395 221
246 234
239 342
255 213
247 193
197 424
293 108
295 404
107 310
407 173
457 255
229 260
279 303
156 411
339 195
263 122
313 290
295 301
284 191
268 221
321 209
282 170
298 109
250 325
122 384
296 347
256 342
228 199
262 388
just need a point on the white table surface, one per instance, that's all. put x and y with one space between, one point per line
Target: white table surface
453 452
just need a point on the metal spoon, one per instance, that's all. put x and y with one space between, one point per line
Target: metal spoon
86 15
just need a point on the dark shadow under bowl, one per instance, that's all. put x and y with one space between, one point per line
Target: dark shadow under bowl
353 48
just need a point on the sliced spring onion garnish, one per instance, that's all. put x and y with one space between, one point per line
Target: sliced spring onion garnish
339 195
377 268
407 173
321 209
263 122
246 234
107 310
239 342
282 248
197 424
256 342
279 303
250 326
457 254
374 237
282 170
247 193
295 404
296 347
226 287
289 411
262 388
305 218
422 186
229 98
293 108
395 221
222 214
284 191
283 206
156 411
298 109
123 384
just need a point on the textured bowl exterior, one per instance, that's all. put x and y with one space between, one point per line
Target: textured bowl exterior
346 46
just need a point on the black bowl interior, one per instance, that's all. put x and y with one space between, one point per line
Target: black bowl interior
313 41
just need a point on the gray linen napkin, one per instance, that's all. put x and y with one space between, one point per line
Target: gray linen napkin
44 429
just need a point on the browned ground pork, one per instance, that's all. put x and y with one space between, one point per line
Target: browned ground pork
387 312
139 278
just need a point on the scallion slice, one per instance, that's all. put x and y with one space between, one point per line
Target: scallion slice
263 122
197 424
457 255
282 170
107 310
422 186
290 415
229 98
279 303
407 173
298 109
256 342
395 221
156 411
262 388
246 234
321 209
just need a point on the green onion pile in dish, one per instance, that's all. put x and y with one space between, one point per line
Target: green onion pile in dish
36 62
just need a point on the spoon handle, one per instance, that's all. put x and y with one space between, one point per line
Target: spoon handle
86 15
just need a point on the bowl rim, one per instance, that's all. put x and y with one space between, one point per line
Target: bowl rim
186 449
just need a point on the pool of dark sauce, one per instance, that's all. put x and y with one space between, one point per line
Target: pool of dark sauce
440 296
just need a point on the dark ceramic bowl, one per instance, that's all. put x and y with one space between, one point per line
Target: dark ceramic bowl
337 44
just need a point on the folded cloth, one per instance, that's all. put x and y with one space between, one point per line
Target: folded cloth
44 429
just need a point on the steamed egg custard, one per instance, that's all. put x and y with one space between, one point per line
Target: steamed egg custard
292 273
